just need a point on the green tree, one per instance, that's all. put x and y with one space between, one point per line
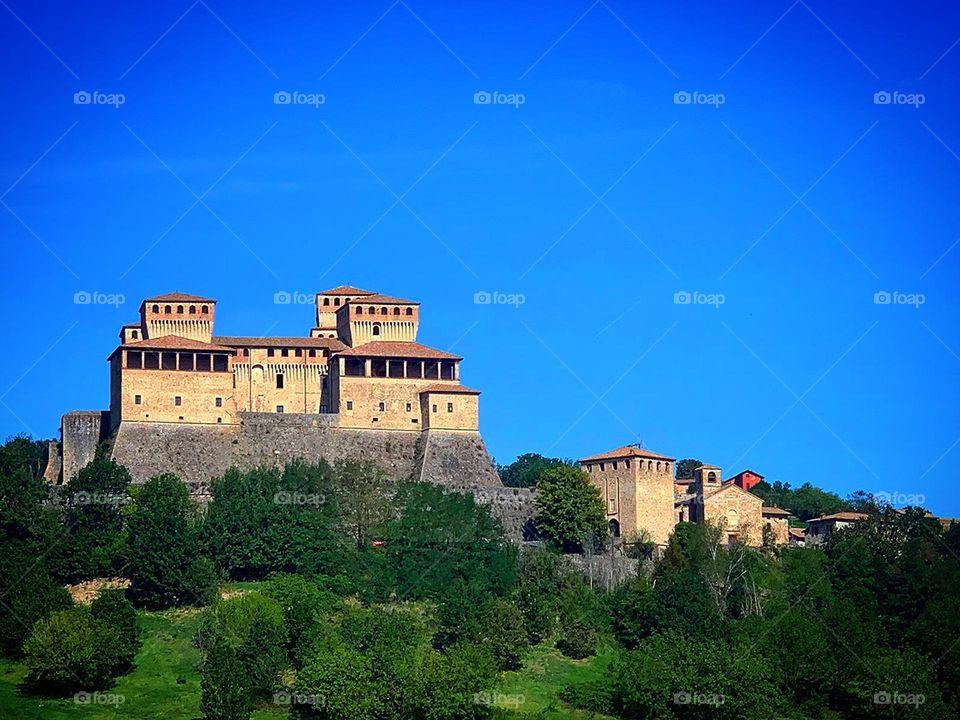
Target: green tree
22 453
363 493
686 468
304 606
225 693
526 470
166 568
569 509
112 608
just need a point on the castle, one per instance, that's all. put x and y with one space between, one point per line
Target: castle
357 387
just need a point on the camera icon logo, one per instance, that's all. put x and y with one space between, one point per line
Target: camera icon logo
282 298
682 698
482 298
82 297
882 97
682 98
282 97
482 97
82 98
682 298
882 297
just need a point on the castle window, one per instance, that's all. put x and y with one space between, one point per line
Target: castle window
627 463
220 363
336 301
203 362
376 329
353 367
431 370
449 407
280 408
167 310
204 310
151 360
658 464
409 311
383 311
134 360
326 302
168 361
602 467
193 309
711 476
414 369
326 353
382 407
349 404
218 402
378 368
395 368
156 308
313 352
359 310
298 352
269 352
219 420
179 309
446 370
396 311
284 352
134 334
614 464
178 401
246 352
434 408
279 381
137 399
409 407
186 361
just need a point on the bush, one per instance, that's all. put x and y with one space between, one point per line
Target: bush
304 605
29 595
506 635
581 614
112 608
71 651
252 627
225 693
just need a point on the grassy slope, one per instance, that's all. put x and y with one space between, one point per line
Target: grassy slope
545 672
164 685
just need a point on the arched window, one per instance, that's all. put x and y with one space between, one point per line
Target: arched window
193 309
711 476
649 464
134 334
179 309
360 310
658 464
733 519
614 528
376 329
156 308
204 310
383 311
336 301
326 301
409 311
167 310
396 311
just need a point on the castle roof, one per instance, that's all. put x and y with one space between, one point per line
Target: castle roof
179 297
628 451
773 510
345 290
449 388
174 342
389 349
273 342
383 299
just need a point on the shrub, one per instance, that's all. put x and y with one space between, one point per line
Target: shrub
506 635
252 627
29 595
225 693
581 613
304 605
71 651
578 638
112 608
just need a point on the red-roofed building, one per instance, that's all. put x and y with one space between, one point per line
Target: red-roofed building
746 480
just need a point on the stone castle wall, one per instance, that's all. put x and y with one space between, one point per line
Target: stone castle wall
81 432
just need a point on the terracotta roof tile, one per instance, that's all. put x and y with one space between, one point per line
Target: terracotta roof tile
773 510
449 388
175 342
628 451
179 297
345 290
844 516
377 299
388 349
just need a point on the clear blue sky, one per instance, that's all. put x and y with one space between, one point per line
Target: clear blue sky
598 198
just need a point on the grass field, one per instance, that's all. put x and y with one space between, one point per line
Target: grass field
165 684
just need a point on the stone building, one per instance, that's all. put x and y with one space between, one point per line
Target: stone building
820 528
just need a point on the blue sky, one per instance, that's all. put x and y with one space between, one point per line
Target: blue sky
782 198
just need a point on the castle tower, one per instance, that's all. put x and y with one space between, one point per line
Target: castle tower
708 478
186 316
328 303
377 318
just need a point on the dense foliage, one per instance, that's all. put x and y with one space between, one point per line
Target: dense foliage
805 501
526 470
570 511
